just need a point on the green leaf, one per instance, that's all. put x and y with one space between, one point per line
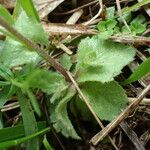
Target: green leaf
30 10
139 19
110 12
4 95
34 102
141 71
11 133
138 25
101 60
5 72
15 53
6 15
44 80
1 120
106 25
29 121
127 17
107 99
138 28
59 116
65 61
46 144
16 142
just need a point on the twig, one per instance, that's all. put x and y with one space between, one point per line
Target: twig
120 14
145 101
89 106
10 108
135 40
97 15
76 9
64 48
104 132
75 17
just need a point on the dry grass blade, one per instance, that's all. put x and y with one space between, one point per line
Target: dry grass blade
59 29
136 40
47 6
132 136
102 134
145 101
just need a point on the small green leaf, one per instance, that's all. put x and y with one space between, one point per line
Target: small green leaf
29 8
138 28
59 116
127 17
65 61
110 12
106 25
139 19
138 25
107 99
101 60
141 71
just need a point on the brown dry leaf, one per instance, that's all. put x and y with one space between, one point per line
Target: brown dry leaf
59 29
9 4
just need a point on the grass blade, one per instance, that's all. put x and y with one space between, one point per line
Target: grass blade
34 102
6 15
46 144
1 121
29 8
16 142
29 121
16 132
141 71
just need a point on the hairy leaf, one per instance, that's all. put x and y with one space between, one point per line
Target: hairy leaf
60 117
44 80
107 99
65 61
101 60
15 53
